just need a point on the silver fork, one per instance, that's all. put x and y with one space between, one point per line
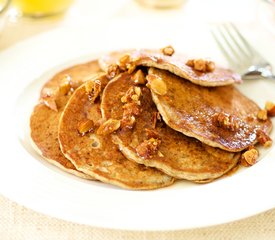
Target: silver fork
242 57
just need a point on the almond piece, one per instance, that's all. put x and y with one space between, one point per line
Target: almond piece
65 85
250 157
85 127
138 77
50 102
168 51
262 114
93 89
108 127
270 108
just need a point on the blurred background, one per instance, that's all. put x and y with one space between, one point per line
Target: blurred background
25 18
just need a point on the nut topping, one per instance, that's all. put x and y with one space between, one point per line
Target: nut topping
132 95
113 70
148 148
262 114
263 138
123 62
128 121
108 127
169 50
85 127
93 89
270 108
50 102
155 117
65 86
227 121
138 77
156 84
201 65
249 157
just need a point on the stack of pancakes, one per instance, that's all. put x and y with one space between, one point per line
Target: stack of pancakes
140 119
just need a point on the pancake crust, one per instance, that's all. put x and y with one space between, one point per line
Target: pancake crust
96 155
197 112
44 120
177 155
175 64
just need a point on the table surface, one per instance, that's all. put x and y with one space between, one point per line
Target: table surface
18 222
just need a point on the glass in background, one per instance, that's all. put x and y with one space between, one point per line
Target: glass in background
161 4
41 8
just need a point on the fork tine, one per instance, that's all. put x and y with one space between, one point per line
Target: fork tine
253 53
223 48
239 53
239 42
229 41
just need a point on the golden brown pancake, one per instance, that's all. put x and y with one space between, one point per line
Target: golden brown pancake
175 64
44 120
151 142
220 117
95 154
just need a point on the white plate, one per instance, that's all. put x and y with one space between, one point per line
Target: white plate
30 181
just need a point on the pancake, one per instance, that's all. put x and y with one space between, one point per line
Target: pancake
220 117
45 116
95 154
175 64
149 141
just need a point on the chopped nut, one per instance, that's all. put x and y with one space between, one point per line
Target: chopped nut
210 66
156 84
262 114
270 108
131 67
123 62
137 91
201 65
138 77
128 121
132 94
155 117
148 148
113 70
108 127
50 102
160 154
268 144
65 85
93 89
249 157
169 50
263 138
227 121
85 127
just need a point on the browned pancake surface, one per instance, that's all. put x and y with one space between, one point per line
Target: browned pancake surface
177 155
175 64
200 112
44 120
96 155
